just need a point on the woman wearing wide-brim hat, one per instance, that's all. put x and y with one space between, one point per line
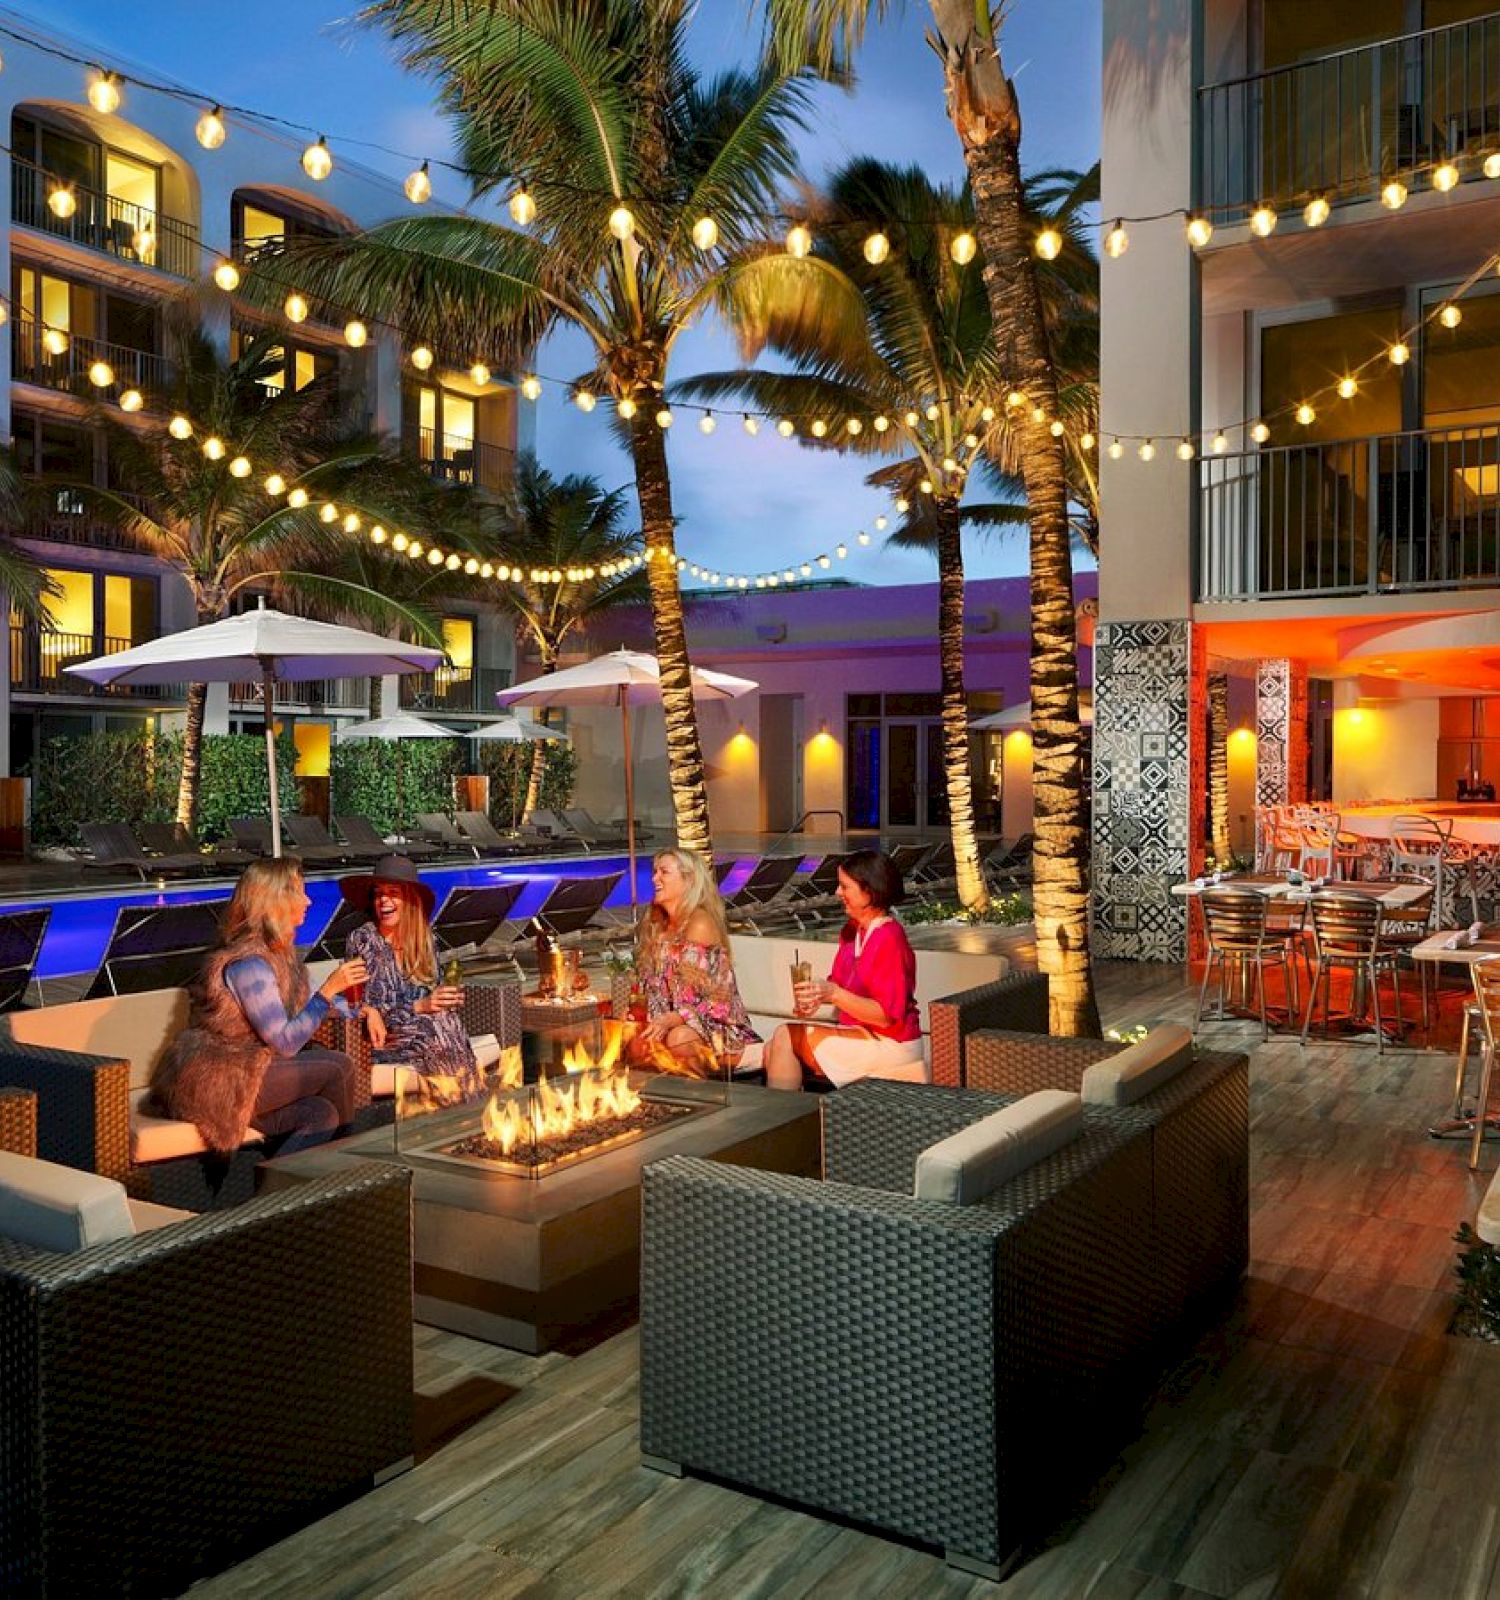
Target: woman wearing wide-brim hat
413 1018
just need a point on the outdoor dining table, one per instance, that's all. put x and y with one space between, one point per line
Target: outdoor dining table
1452 947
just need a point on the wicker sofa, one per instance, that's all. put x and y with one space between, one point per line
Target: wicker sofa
174 1399
947 1373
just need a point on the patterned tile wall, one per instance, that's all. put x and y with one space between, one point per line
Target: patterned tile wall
1148 785
1280 733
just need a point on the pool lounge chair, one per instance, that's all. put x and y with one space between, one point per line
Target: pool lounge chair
758 898
312 840
813 895
545 831
441 829
936 874
21 935
254 833
908 858
594 834
172 838
469 918
364 836
477 827
156 947
575 903
113 848
1010 864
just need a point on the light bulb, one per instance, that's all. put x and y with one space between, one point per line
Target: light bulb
435 557
799 240
963 248
1086 441
1399 353
925 485
751 425
949 464
705 233
863 537
104 94
1348 387
1185 451
210 128
356 334
213 448
471 567
664 418
1038 415
585 400
1116 241
934 411
707 422
351 523
621 222
400 542
454 562
912 419
1057 428
1445 176
1259 432
531 386
882 522
275 485
297 499
903 505
881 424
239 467
1147 451
819 428
143 242
180 428
328 512
1316 212
132 400
101 374
1450 316
421 358
786 427
1199 231
317 160
62 202
1491 167
841 551
1220 442
418 185
296 308
486 569
480 373
1116 450
626 408
522 207
854 427
1049 244
987 414
806 569
877 248
1393 194
1306 415
1263 222
414 549
227 276
1015 398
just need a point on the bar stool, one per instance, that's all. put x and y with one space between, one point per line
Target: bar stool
1234 921
1346 933
1486 977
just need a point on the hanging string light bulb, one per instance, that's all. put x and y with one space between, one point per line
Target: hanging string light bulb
1116 450
1116 241
962 248
786 427
1185 450
584 399
531 385
1220 442
1147 451
880 424
664 418
1450 316
480 374
317 159
240 467
1317 211
356 334
104 93
210 130
296 308
1445 176
1399 353
1491 167
418 185
275 486
522 207
1259 432
705 233
1393 194
227 276
707 422
622 223
213 448
626 408
877 248
1263 221
61 201
1199 231
101 374
132 400
799 240
751 424
422 358
1348 386
180 428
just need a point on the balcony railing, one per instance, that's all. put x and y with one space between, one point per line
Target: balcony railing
1341 125
118 227
39 659
319 694
460 460
1385 514
35 358
458 691
65 516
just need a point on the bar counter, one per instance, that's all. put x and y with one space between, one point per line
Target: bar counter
1474 821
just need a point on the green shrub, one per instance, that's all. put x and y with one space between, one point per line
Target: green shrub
1477 1314
390 782
1005 911
508 767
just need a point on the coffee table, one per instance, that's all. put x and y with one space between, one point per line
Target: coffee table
523 1262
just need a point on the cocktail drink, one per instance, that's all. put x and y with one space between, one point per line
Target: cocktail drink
802 972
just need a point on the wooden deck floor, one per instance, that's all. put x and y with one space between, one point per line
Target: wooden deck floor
1328 1439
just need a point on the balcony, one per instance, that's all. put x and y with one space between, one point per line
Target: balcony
1340 125
455 459
318 694
119 228
1387 514
455 691
60 514
33 360
39 659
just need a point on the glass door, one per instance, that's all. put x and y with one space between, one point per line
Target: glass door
905 778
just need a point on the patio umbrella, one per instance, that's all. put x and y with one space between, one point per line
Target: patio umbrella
396 728
1018 717
269 647
621 678
516 730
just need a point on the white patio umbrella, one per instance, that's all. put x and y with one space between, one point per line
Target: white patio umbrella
1018 717
621 678
269 647
516 730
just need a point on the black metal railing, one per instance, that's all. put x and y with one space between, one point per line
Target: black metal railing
1384 514
39 659
457 690
66 516
102 222
53 359
459 460
318 694
1341 125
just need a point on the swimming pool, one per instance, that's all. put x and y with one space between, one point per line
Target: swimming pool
80 927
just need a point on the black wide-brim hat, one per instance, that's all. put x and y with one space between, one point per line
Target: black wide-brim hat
389 869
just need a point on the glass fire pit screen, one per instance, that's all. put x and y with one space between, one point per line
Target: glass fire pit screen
567 1093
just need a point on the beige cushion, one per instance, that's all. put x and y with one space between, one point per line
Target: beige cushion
977 1160
1125 1078
164 1138
135 1027
148 1216
51 1207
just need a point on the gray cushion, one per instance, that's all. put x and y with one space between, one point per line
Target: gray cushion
1134 1072
51 1207
977 1160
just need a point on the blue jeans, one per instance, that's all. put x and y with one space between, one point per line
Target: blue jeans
306 1097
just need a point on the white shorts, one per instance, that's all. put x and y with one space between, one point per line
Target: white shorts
848 1054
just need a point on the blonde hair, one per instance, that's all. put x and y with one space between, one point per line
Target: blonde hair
701 894
412 943
257 909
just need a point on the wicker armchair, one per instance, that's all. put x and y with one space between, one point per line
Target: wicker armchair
938 1371
1017 1002
18 1122
174 1399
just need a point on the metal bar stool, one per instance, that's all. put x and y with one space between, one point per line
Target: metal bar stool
1346 933
1234 921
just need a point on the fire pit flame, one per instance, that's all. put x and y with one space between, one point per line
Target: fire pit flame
592 1092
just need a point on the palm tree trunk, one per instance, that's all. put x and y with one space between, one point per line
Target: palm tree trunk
685 773
549 652
983 107
1218 766
950 553
192 755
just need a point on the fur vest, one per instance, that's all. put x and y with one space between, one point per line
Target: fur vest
212 1072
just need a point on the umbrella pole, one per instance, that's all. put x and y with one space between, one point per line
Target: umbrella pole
629 793
267 696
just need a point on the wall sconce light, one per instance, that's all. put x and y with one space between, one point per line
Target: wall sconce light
823 728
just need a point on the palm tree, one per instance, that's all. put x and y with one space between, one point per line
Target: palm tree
568 525
223 533
982 105
865 340
579 98
23 580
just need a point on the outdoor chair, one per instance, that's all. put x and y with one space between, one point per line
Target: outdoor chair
309 835
478 831
755 900
907 858
1241 942
156 947
1485 976
574 903
1346 934
1403 928
173 838
21 935
365 837
594 834
1009 864
332 943
470 918
251 834
187 1388
439 830
113 848
811 894
722 869
545 831
935 874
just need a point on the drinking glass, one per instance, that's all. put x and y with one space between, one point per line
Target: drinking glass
801 973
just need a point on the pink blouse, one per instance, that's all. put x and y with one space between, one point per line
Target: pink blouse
884 969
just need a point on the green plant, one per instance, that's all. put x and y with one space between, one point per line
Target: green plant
390 783
1127 1035
1005 911
508 767
1477 1314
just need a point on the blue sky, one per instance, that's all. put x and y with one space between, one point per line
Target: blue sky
733 494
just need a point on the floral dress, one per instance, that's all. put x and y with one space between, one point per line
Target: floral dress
435 1044
697 982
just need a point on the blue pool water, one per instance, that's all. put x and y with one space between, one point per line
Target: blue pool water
80 927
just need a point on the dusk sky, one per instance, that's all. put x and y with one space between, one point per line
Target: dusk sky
733 494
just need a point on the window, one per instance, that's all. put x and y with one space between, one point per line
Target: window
305 364
129 608
1461 367
1298 359
259 228
458 643
71 609
254 225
